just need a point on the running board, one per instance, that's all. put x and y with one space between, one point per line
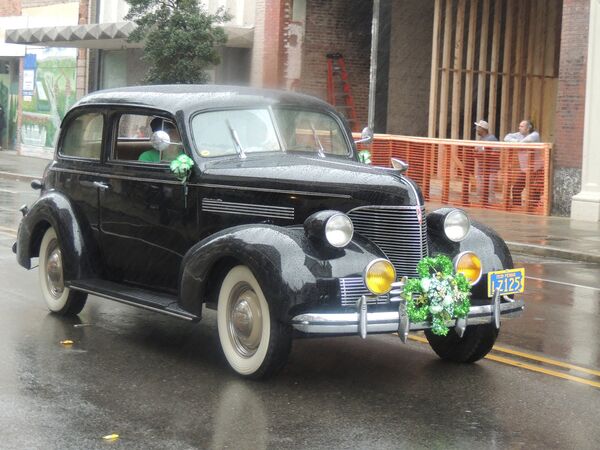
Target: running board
142 298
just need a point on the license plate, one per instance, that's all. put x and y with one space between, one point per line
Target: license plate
507 282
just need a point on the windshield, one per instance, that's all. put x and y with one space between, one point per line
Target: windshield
219 133
311 131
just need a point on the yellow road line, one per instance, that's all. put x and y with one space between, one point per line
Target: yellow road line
531 367
529 356
417 338
547 360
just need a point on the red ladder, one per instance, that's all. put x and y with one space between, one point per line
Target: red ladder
338 89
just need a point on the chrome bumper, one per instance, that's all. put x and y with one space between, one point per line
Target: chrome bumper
363 322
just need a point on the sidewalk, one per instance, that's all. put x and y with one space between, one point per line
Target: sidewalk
558 237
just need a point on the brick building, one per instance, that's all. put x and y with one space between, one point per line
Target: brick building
438 65
441 64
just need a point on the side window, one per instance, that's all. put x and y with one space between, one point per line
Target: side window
133 139
83 137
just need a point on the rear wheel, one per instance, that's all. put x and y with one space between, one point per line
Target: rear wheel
59 299
477 342
255 344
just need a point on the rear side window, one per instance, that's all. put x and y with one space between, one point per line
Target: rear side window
83 137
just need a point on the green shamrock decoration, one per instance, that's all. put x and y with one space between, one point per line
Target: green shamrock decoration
438 295
181 167
364 156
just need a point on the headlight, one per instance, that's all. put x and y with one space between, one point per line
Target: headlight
339 230
379 276
456 225
469 264
329 227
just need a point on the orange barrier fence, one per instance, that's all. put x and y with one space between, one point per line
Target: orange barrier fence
505 176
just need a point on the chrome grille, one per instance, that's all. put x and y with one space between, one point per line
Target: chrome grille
352 289
400 233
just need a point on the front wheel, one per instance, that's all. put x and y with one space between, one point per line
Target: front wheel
59 299
477 342
255 344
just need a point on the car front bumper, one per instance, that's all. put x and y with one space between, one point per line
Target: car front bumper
364 322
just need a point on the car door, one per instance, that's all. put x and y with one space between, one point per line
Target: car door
79 167
144 212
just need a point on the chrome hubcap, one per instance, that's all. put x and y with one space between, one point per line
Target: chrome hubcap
54 270
245 320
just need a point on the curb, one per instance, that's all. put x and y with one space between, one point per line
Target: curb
19 176
553 252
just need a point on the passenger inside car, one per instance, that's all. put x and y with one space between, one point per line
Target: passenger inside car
174 150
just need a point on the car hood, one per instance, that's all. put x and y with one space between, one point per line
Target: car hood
300 173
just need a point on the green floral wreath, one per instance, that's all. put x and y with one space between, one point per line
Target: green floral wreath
181 167
438 295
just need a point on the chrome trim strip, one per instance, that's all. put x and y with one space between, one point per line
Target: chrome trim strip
278 191
205 185
127 302
387 322
118 177
247 209
412 187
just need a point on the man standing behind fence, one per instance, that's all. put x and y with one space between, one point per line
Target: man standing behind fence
526 134
488 160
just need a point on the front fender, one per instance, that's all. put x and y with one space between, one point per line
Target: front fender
74 235
484 242
286 263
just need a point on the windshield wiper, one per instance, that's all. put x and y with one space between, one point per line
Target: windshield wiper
320 149
236 140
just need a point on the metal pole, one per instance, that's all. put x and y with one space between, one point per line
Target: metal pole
373 70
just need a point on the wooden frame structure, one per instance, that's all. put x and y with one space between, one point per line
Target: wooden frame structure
495 60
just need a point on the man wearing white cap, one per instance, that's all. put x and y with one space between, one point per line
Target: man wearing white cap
487 160
483 131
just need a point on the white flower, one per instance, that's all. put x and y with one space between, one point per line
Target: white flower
435 309
448 300
425 284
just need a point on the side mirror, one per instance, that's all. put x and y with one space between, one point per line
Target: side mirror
160 140
36 184
366 137
400 165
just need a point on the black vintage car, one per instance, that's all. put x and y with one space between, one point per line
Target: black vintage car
277 225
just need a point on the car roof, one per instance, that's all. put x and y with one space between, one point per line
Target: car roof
189 97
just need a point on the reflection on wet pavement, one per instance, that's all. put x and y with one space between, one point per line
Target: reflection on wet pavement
13 195
562 310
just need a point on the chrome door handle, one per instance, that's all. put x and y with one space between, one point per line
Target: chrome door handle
101 185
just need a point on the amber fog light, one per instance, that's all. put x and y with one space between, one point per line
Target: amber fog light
469 265
379 276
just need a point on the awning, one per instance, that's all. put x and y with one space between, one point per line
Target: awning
107 36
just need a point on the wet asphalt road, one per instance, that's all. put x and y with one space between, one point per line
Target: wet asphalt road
162 383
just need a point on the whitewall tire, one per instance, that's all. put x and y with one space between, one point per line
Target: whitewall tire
59 298
254 343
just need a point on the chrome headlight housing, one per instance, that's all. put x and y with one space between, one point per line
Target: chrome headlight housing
469 264
456 225
331 227
379 276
